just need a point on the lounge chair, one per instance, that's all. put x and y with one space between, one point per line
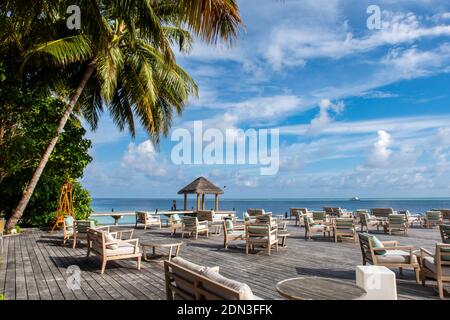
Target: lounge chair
382 213
436 266
231 232
332 211
344 228
409 218
397 222
2 230
109 247
261 234
445 232
147 219
192 226
312 227
388 254
188 281
432 219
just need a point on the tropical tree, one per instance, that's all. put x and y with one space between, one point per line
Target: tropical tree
121 59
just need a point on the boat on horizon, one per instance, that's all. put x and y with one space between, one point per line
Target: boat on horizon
355 199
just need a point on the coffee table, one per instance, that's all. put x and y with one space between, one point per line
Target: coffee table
171 244
319 288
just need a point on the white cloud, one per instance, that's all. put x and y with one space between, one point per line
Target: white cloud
324 118
143 158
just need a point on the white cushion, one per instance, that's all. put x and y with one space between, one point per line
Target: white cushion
123 249
188 265
396 256
109 238
242 288
428 262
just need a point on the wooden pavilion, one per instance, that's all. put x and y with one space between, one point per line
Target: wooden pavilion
201 186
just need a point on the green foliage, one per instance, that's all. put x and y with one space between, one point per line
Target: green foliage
28 120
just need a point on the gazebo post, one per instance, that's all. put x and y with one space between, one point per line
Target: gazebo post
203 201
217 202
198 201
185 201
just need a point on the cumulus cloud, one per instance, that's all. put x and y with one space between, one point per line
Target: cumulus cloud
325 115
380 153
143 158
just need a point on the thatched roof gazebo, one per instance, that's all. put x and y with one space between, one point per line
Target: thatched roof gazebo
201 186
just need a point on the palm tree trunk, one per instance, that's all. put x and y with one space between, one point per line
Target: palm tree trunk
17 214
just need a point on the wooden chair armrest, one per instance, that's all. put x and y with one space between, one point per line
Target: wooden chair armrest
203 222
425 252
395 243
406 248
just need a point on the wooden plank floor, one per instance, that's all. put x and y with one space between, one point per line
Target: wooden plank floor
34 266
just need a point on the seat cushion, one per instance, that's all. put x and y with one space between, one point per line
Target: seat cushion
396 256
123 249
377 244
240 287
428 263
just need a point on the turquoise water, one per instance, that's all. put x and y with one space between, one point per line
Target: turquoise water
277 206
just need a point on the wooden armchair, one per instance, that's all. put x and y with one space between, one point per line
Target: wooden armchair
320 216
344 228
261 234
397 222
110 248
432 219
297 214
312 227
232 232
388 254
192 226
367 221
147 219
257 212
67 228
80 230
175 223
445 233
436 266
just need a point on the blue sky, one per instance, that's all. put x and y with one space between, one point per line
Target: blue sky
360 112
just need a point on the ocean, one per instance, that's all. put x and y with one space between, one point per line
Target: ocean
277 206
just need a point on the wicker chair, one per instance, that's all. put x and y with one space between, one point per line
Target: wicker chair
388 254
436 266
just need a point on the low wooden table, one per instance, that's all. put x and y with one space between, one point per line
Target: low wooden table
160 244
319 288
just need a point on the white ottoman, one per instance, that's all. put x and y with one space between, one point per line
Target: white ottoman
379 282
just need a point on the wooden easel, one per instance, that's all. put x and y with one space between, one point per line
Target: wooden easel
65 207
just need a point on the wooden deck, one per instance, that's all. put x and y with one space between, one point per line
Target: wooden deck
35 263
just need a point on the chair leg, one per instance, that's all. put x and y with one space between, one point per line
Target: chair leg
417 271
401 271
74 242
441 289
139 263
103 265
246 248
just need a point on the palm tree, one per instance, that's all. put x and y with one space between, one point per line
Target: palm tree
121 59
